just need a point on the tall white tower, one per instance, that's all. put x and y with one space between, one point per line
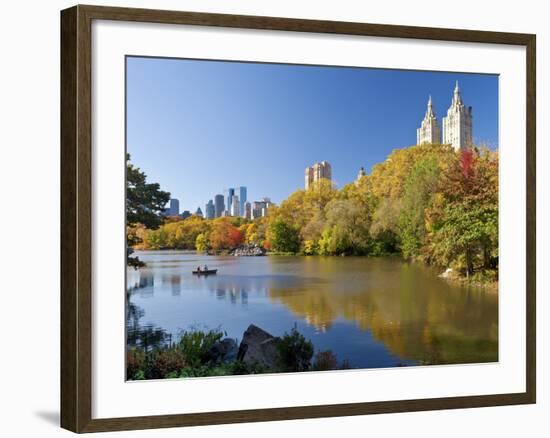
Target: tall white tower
429 131
457 126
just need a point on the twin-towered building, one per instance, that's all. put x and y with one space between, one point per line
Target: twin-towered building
457 126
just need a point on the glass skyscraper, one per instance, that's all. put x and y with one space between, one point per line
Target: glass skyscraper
242 199
219 205
229 193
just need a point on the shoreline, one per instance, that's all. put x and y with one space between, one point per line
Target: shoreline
491 286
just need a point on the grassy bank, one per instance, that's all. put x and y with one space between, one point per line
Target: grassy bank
192 356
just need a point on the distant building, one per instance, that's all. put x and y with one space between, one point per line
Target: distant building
199 212
229 193
360 175
174 208
185 214
316 172
247 210
260 208
235 206
242 198
457 126
219 205
210 210
429 131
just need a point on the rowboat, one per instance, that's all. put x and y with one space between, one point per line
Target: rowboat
207 272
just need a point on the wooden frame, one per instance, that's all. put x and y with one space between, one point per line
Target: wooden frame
76 177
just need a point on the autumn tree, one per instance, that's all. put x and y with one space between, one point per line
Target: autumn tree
144 205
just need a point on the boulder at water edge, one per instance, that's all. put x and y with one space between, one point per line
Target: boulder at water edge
258 347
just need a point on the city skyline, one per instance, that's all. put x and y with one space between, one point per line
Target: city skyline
291 117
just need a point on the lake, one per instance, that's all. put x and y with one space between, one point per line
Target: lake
372 312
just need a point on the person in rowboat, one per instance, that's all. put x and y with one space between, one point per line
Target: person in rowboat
198 269
205 268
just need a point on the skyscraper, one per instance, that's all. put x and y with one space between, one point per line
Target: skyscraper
198 212
174 209
235 206
429 131
210 210
242 198
457 126
219 205
260 208
316 172
247 213
229 193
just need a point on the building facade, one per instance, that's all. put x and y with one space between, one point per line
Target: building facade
247 212
229 193
316 172
242 198
235 206
429 131
174 208
210 210
261 208
457 126
219 205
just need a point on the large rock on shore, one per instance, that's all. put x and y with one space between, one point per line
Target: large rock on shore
248 251
258 347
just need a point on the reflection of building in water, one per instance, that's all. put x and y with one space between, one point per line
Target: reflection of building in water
320 327
235 294
175 282
139 280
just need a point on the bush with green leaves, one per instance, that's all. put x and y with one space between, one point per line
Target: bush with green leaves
194 344
295 351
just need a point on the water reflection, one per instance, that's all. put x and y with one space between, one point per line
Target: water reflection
374 312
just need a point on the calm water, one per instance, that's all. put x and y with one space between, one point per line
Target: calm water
374 312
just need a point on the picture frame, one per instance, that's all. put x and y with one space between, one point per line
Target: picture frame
77 239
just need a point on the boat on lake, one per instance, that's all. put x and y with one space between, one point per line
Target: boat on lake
205 272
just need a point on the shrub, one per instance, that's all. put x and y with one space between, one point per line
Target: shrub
295 351
194 344
135 362
166 363
325 361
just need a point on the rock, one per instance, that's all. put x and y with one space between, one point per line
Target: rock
248 251
448 273
223 351
258 347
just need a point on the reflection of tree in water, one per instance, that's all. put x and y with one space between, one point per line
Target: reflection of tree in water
436 324
145 336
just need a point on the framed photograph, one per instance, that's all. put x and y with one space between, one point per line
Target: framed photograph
270 218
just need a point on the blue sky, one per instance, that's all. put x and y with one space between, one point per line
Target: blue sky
198 127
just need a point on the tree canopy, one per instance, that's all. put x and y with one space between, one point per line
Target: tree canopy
426 202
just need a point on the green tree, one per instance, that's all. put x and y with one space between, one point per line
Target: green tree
420 186
144 204
201 242
349 227
466 230
295 351
283 236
